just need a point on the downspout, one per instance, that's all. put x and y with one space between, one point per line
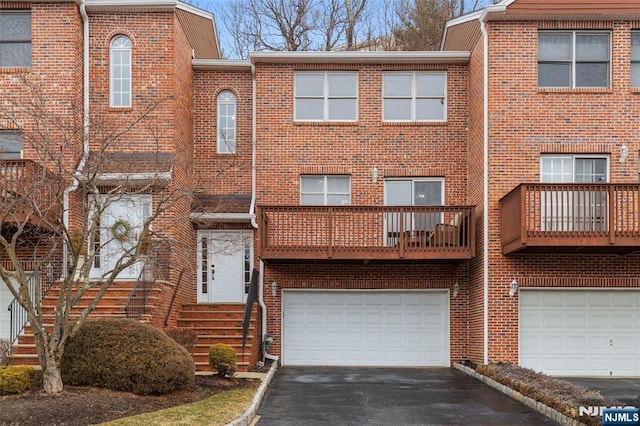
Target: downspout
264 315
85 134
265 354
485 224
252 207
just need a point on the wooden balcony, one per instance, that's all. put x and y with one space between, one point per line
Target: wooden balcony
366 233
598 217
24 187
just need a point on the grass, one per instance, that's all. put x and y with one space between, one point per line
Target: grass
218 409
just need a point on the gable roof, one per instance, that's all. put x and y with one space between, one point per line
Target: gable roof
463 33
198 25
200 28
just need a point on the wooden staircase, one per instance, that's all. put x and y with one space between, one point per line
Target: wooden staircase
111 305
221 323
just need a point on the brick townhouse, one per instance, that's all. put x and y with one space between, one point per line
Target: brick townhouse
400 208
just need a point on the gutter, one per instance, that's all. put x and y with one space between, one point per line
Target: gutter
85 133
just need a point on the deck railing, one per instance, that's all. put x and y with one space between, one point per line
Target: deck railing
574 214
366 232
31 186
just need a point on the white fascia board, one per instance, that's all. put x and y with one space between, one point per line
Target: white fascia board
222 217
108 5
418 57
195 10
133 177
220 64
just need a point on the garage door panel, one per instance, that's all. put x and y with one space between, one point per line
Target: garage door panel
375 328
592 332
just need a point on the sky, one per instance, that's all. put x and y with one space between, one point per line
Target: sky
217 7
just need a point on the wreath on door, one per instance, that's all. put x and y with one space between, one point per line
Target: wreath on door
121 230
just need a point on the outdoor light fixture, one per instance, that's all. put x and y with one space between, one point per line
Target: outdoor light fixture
456 289
374 175
624 151
513 287
274 288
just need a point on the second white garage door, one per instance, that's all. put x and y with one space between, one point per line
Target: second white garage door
580 332
374 328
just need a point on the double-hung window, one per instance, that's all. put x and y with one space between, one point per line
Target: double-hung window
414 96
329 190
326 96
15 38
574 59
10 145
120 72
635 59
226 123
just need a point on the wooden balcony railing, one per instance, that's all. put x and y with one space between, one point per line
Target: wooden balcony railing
366 232
601 215
24 187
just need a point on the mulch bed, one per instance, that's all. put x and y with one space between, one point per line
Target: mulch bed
79 405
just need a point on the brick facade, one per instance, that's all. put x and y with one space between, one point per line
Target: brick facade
176 93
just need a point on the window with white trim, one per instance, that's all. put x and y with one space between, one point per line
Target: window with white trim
635 59
226 122
10 145
326 96
574 59
120 72
329 190
414 96
15 38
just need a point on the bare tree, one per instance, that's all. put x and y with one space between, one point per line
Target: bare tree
55 213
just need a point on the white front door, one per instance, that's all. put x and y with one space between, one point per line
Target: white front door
5 299
127 213
224 260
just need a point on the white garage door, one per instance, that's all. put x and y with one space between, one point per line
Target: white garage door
580 332
375 328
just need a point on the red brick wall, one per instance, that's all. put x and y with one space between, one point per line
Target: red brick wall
414 276
222 173
476 197
527 122
52 87
286 149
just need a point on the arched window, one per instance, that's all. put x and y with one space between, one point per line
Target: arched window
120 72
226 123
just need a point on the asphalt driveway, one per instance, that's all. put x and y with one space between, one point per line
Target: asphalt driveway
387 396
623 389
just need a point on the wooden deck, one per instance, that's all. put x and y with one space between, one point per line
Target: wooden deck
25 187
366 233
602 217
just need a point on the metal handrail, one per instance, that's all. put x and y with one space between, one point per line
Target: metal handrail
173 298
136 304
18 314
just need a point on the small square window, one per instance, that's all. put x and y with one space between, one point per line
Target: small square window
415 96
326 96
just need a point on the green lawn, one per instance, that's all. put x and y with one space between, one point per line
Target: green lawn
218 409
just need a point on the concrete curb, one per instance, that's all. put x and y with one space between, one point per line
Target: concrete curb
247 417
541 408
